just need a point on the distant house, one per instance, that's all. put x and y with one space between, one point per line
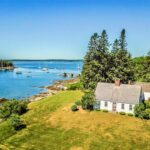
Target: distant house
146 89
118 97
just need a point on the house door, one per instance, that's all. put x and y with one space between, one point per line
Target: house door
114 106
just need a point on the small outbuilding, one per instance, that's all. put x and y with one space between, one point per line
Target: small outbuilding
118 97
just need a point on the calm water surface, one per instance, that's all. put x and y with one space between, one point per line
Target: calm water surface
28 83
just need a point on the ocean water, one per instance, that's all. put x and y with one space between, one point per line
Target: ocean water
31 80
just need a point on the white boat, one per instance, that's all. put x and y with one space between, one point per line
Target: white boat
44 69
79 68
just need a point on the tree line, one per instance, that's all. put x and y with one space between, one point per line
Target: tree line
142 68
102 64
6 63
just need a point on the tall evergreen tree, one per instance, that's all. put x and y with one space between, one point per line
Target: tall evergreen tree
88 71
96 64
103 58
122 40
121 59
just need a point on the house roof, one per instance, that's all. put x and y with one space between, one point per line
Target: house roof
145 86
124 93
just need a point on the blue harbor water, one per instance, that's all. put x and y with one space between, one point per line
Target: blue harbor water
29 76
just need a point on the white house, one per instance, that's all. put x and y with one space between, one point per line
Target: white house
118 97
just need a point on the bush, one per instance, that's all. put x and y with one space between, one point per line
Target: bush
97 110
130 114
74 108
105 110
88 100
138 109
142 110
122 113
144 115
75 86
78 103
147 104
12 107
16 122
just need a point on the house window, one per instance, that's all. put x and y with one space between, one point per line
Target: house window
106 104
130 107
122 106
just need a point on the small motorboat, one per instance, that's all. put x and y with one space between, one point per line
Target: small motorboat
18 72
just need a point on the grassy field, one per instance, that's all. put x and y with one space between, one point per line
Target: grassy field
52 126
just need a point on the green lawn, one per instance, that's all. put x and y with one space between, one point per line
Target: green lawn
52 126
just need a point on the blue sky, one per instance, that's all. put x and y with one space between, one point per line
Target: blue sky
49 29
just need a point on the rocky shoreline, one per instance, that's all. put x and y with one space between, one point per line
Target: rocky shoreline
7 68
53 89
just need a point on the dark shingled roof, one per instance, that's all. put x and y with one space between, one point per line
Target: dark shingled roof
124 93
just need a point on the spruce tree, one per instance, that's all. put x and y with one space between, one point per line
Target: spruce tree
114 61
121 59
96 62
88 71
122 40
103 58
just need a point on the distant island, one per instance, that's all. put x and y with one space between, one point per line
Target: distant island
6 65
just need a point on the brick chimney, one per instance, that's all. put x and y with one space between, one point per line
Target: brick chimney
117 82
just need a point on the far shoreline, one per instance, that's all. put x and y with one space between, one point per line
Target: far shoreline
72 60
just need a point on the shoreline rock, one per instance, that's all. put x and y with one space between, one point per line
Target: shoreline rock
2 100
53 89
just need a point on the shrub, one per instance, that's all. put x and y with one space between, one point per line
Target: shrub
144 115
75 86
88 100
97 110
105 110
78 103
147 104
16 122
12 107
142 110
122 113
74 108
130 114
138 109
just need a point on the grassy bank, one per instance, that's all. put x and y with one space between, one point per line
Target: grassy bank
52 126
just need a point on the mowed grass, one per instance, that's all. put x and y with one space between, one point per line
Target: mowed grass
51 125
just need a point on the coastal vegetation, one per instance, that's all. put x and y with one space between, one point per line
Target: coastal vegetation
5 64
105 62
52 125
11 110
